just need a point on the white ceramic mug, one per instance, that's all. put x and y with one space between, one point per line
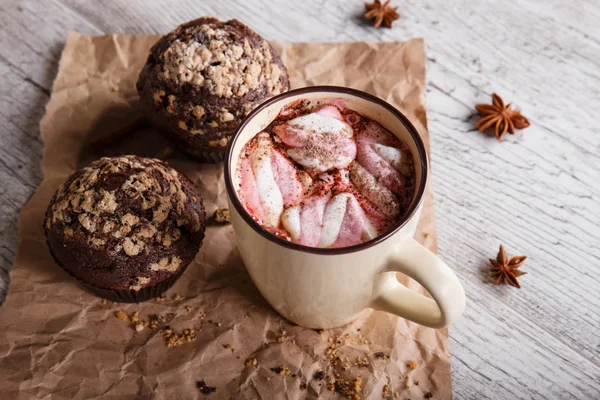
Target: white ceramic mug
325 288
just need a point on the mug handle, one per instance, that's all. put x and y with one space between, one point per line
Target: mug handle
415 261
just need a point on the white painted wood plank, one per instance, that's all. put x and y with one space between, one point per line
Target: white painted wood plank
31 40
32 36
21 107
538 192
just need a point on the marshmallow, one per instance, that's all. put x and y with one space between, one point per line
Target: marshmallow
268 191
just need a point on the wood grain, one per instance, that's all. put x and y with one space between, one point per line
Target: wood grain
538 192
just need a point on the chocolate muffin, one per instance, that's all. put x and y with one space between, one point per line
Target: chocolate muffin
203 78
125 227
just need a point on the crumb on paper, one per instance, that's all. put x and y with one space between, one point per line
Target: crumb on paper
412 364
121 315
428 395
320 331
416 383
139 324
362 362
154 320
319 375
331 384
282 339
160 299
385 392
221 216
396 395
381 356
115 88
103 301
178 297
204 388
282 370
426 235
349 389
189 309
251 362
135 317
334 358
174 339
303 386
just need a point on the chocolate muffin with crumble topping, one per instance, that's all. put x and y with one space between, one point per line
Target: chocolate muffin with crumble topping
203 78
125 227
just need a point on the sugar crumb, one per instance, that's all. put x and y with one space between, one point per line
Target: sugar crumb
386 391
221 216
121 315
282 339
174 339
204 388
362 362
282 370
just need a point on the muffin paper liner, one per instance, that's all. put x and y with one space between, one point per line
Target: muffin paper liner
132 296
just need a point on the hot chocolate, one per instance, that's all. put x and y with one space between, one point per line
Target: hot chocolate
323 175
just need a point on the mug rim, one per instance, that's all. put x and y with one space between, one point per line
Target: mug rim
326 89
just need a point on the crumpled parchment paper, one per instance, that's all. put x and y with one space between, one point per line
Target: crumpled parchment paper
58 340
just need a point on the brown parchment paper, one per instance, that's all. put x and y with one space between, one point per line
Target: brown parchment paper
56 340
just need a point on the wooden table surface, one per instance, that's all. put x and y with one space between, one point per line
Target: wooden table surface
538 192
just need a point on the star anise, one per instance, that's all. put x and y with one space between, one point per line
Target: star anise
501 116
507 269
381 13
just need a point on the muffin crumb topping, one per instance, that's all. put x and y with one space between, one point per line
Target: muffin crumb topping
203 78
138 283
110 215
166 264
217 60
